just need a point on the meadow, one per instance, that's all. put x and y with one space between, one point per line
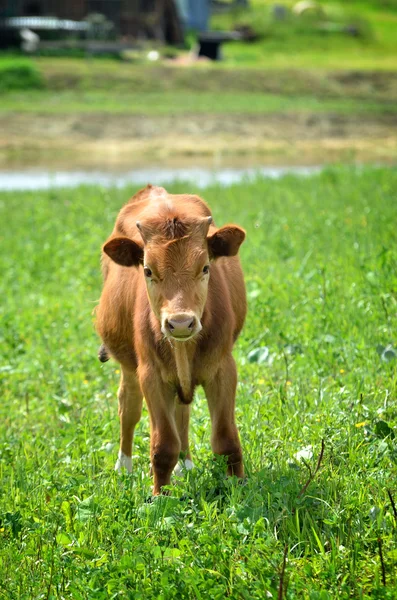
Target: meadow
316 407
316 38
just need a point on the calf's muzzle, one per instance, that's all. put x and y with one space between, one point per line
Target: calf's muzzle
182 326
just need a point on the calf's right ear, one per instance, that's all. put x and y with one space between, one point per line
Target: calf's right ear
124 251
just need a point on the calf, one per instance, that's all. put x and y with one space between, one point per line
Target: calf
172 306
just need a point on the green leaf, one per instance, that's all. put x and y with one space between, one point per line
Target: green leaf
86 509
387 353
63 539
293 349
255 293
86 552
383 430
259 355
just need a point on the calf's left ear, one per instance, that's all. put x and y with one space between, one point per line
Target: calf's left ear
225 241
124 251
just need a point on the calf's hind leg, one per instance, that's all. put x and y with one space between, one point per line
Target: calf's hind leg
130 410
221 394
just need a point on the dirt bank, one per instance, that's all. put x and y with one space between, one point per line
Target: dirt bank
75 75
272 138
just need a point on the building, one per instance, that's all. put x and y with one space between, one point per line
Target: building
151 19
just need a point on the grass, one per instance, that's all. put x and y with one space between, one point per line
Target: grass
76 86
314 364
315 41
19 74
174 103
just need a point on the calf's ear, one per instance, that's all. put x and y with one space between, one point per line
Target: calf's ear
124 251
225 241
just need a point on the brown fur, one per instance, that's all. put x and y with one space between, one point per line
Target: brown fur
174 237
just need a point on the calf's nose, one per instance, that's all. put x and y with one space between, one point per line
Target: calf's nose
182 325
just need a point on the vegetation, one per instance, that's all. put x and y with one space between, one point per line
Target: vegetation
355 34
72 85
340 34
19 74
317 362
166 103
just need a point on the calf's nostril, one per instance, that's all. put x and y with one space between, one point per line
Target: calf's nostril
170 326
191 324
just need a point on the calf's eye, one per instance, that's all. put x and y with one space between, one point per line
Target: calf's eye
206 269
147 271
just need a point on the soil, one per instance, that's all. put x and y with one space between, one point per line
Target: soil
88 139
375 85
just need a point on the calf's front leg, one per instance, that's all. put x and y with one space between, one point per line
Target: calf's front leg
221 394
182 418
165 444
130 410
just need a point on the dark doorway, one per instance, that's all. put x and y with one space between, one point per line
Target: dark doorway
32 9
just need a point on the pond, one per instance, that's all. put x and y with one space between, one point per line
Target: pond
42 179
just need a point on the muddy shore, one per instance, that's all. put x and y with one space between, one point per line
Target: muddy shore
87 139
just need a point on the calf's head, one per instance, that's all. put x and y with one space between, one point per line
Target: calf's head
175 255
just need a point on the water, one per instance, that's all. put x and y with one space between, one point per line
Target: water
41 179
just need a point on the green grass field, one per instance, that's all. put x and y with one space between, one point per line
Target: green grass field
317 361
175 103
315 39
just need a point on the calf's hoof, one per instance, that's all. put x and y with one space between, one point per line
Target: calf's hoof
183 466
123 462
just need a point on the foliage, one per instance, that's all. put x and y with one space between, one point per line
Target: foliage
321 271
19 74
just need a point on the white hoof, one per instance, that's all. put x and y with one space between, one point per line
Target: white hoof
123 462
182 466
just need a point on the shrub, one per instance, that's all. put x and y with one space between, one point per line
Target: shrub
19 74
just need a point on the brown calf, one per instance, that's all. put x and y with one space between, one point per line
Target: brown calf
173 304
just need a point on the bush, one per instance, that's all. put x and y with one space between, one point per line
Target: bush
19 74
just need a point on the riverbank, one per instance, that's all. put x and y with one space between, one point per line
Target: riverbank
271 139
103 112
